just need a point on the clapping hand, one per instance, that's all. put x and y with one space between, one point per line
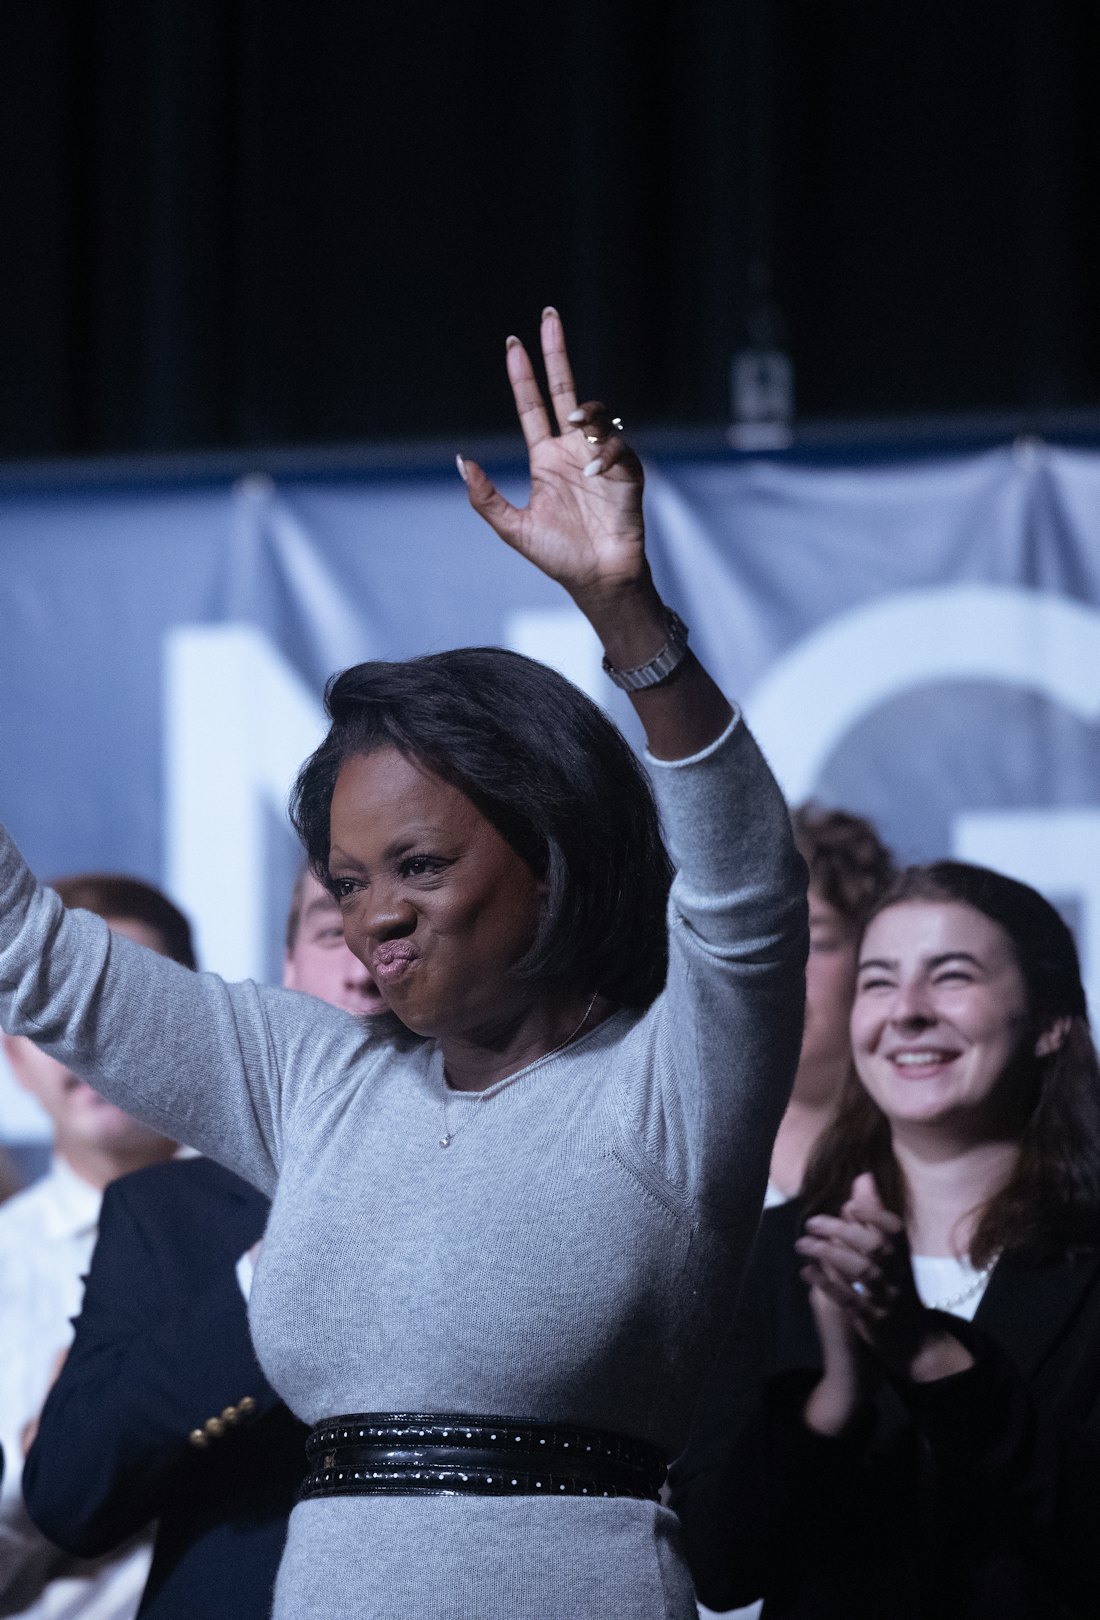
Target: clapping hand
859 1262
583 522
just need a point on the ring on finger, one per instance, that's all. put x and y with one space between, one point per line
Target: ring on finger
594 438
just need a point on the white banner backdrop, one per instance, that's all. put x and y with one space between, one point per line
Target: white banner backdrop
917 640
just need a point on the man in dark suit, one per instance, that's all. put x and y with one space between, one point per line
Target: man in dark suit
161 1410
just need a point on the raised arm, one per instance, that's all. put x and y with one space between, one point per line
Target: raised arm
212 1064
583 527
726 1033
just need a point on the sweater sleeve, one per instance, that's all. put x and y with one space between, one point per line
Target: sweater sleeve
725 1034
218 1066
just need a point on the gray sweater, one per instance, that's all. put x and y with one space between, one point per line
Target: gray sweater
573 1255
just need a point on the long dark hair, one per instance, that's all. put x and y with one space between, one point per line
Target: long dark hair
1050 1206
552 774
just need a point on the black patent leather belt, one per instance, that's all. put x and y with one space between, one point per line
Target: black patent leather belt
445 1454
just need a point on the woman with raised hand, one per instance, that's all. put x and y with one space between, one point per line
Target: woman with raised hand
504 1231
906 1421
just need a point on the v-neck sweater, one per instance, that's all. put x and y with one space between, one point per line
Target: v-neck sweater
572 1256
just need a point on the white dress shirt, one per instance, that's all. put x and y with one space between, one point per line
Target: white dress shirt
47 1235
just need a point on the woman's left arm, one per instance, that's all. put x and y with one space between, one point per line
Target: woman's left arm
726 1041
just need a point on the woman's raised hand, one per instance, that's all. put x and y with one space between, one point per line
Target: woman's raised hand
583 527
583 522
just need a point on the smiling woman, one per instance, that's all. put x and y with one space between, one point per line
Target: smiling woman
959 1184
939 1024
603 1052
970 1034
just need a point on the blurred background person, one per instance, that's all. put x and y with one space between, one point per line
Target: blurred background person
47 1234
849 867
317 959
906 1421
161 1410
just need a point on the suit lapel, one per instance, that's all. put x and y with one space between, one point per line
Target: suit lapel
1029 1309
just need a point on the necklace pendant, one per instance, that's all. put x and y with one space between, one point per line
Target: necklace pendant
446 1139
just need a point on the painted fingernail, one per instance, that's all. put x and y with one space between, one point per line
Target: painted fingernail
576 416
594 467
550 313
511 342
462 473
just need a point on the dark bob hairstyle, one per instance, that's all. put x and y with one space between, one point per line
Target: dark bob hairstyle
551 773
1050 1206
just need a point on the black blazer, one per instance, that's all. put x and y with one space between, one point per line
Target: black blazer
977 1496
162 1346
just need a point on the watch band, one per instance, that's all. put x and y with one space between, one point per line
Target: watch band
661 665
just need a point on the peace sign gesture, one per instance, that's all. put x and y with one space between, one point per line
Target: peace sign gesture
583 523
583 527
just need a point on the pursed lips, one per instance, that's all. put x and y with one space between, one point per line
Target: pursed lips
392 960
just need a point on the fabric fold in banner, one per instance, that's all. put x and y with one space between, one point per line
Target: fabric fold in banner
917 640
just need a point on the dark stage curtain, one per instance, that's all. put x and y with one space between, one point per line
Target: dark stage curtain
244 222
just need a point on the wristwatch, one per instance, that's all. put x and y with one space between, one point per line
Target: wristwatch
661 665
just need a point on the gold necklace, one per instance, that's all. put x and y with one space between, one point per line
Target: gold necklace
448 1135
